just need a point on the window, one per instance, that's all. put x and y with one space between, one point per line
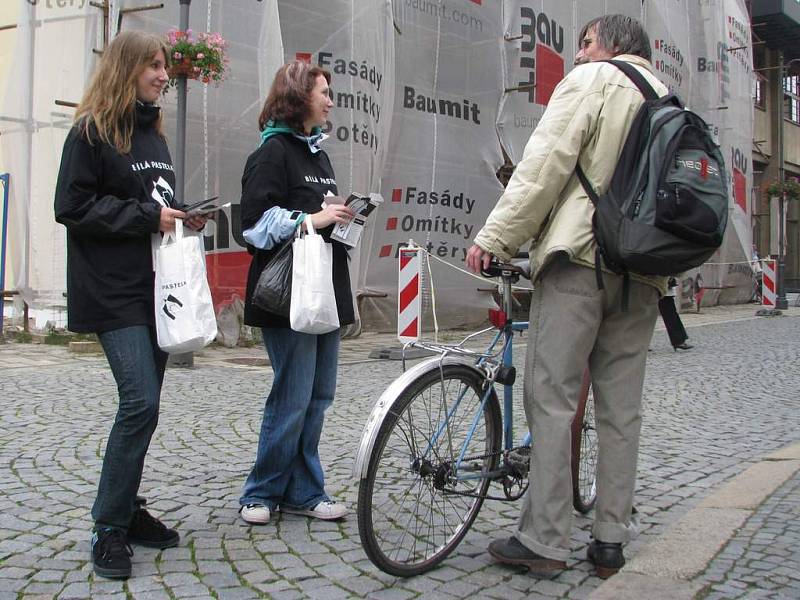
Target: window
759 90
791 98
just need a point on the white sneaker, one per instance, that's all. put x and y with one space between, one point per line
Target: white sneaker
327 510
255 514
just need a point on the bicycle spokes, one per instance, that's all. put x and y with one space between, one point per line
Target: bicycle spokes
427 471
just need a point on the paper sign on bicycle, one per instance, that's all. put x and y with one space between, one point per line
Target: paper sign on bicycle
408 297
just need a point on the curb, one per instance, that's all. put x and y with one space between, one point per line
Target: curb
666 567
86 347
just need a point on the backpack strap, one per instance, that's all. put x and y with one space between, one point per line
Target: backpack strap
636 77
587 187
626 290
598 272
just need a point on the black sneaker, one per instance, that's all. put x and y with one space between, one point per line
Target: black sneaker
606 557
111 553
146 530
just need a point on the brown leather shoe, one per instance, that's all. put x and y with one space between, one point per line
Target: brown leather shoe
512 552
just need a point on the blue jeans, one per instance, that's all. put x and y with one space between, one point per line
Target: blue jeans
138 366
287 470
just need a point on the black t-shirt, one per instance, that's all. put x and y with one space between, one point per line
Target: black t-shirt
284 172
107 201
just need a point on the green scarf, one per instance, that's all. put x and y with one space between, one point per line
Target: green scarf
275 128
279 127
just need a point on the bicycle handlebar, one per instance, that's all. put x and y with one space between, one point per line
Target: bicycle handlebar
504 269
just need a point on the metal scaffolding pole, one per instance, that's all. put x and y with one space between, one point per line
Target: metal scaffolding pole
185 359
781 303
180 132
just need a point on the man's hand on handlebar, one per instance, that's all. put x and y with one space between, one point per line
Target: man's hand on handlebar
477 259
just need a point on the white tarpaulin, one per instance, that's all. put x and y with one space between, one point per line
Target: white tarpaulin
426 93
439 182
33 131
538 50
669 26
720 91
354 41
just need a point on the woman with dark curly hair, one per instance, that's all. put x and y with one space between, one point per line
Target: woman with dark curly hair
283 186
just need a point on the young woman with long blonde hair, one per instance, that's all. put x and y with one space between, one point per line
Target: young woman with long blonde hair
115 189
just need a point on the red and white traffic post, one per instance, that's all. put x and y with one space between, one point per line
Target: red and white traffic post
768 285
409 292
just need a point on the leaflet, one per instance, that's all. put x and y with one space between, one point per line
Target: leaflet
206 207
362 206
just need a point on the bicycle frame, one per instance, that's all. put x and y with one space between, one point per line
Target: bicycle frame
426 463
506 333
450 355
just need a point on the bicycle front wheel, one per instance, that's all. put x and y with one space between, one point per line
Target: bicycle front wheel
584 453
426 479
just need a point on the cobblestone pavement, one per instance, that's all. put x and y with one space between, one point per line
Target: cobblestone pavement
708 414
762 560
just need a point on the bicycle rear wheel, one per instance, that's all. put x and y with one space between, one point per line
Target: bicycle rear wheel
584 452
416 503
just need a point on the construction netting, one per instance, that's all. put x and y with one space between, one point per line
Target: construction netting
428 96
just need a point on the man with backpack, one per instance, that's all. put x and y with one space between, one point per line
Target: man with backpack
586 309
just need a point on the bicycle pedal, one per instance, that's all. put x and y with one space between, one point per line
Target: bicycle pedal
506 375
518 461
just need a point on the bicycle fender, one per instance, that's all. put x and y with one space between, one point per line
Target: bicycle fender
388 399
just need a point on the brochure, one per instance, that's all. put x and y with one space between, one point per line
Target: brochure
206 207
362 206
208 210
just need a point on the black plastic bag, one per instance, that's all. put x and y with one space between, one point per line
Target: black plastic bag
273 291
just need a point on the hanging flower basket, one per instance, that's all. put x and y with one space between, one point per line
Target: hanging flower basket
202 59
789 188
181 69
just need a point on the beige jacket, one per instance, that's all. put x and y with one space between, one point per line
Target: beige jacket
587 120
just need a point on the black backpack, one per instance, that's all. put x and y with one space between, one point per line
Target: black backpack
666 208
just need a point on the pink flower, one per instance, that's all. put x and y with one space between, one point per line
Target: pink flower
177 55
215 39
200 56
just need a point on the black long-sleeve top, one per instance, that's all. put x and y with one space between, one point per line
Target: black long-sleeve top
284 172
107 201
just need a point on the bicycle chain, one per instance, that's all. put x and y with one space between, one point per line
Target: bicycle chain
496 453
482 457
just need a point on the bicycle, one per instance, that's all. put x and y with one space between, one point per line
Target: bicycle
436 440
755 294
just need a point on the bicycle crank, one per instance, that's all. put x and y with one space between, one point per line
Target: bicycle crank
512 474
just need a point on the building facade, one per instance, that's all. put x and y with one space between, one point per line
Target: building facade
776 133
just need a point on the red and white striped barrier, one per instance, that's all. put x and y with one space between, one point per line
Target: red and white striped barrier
768 283
408 298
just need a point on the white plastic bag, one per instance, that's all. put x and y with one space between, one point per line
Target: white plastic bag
185 320
313 305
